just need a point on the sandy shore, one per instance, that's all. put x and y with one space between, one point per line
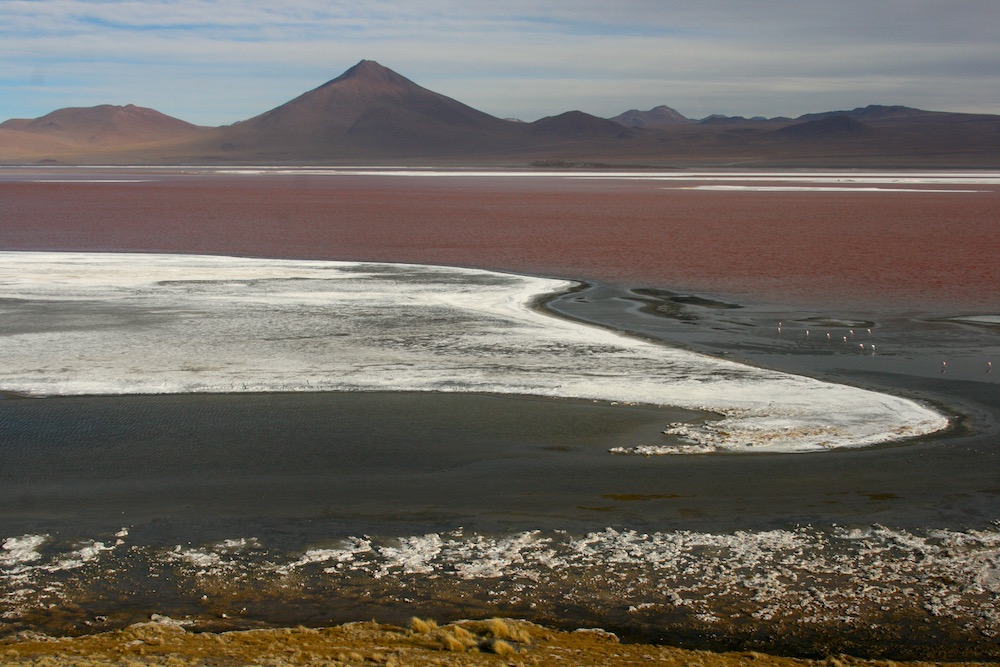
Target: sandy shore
466 643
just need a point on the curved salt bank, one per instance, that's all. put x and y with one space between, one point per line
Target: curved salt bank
94 323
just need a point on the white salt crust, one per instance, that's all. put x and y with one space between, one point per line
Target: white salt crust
804 576
92 323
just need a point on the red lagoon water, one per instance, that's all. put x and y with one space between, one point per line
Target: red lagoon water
920 250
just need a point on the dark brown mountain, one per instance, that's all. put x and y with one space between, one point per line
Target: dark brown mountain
837 126
661 116
577 126
877 113
371 113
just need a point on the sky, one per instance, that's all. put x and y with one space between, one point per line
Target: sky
217 62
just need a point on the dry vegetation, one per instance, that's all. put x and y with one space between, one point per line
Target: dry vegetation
467 643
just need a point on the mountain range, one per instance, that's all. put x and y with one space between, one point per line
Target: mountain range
371 113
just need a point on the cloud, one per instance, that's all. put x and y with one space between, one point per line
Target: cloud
218 62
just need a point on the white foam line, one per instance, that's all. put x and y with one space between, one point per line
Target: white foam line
912 178
807 188
92 180
92 323
734 175
978 319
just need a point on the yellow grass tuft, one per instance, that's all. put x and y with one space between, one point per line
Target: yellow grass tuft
423 627
501 628
450 643
500 647
463 635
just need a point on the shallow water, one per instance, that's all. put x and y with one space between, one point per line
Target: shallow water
216 466
235 510
911 249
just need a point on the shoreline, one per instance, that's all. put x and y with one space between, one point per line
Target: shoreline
420 643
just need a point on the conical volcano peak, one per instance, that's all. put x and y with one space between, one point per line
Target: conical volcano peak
368 110
370 71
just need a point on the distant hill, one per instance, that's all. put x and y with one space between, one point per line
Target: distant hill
104 125
661 116
577 125
370 113
825 127
876 113
77 133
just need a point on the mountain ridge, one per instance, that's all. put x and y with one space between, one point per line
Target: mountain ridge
658 116
371 112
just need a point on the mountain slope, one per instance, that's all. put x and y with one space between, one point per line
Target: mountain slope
104 125
371 110
837 126
18 146
878 113
577 126
661 116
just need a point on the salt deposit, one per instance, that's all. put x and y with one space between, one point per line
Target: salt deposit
91 323
805 575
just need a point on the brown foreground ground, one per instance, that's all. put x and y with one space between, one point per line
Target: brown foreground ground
493 642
